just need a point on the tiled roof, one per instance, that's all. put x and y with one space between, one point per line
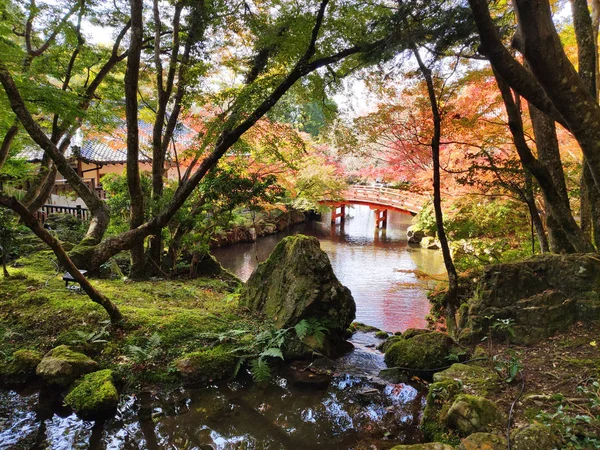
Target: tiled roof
112 148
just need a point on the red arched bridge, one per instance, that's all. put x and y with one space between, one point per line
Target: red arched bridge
379 199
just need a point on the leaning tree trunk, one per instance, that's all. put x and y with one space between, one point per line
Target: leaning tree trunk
451 298
31 222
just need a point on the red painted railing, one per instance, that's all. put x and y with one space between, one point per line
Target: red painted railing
393 198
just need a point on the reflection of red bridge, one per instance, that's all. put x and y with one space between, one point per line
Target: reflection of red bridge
379 199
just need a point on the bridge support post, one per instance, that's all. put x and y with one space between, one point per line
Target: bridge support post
381 218
335 214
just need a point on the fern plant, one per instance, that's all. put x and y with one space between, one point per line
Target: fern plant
150 351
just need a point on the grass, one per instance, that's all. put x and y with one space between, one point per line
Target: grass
164 319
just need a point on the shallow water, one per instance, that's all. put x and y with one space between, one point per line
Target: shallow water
355 410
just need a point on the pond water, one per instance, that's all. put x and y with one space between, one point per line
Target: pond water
378 266
354 410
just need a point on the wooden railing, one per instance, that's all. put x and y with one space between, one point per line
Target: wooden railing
394 198
82 214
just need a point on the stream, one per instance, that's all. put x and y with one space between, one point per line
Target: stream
353 409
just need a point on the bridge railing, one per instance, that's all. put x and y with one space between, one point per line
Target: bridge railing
385 196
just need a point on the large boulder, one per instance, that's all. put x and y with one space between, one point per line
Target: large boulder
541 295
62 366
94 396
297 282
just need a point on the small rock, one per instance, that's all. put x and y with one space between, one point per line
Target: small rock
471 414
429 446
94 396
21 367
62 366
535 436
483 441
422 352
204 366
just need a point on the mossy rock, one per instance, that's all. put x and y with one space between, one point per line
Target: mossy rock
474 379
359 326
440 397
428 446
543 295
483 441
21 367
472 414
62 365
421 354
205 366
297 282
535 436
94 396
391 340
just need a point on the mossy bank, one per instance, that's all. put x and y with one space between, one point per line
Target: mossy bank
165 321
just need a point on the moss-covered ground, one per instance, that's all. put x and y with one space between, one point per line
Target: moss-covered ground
165 319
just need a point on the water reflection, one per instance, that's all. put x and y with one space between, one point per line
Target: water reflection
377 265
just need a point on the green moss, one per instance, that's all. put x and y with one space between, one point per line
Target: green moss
429 446
188 316
94 396
474 379
212 364
359 326
471 414
440 397
423 352
381 334
21 367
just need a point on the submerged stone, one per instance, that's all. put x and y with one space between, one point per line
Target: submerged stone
297 282
94 396
62 366
471 414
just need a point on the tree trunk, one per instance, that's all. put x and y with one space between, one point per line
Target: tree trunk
587 56
7 142
451 299
31 222
134 184
536 220
234 128
549 156
4 261
552 198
